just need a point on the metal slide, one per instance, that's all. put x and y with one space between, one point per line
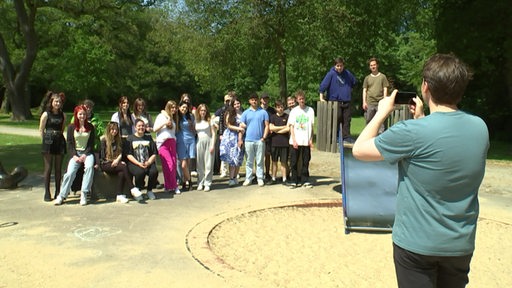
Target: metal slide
369 193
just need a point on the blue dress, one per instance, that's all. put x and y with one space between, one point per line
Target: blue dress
229 150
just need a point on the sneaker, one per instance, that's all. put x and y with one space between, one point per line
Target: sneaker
206 188
122 199
291 184
231 182
193 173
348 141
273 181
261 183
200 187
307 185
236 180
151 195
177 191
223 175
58 200
247 182
83 199
137 195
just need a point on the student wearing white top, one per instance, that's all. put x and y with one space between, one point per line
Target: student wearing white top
301 122
165 128
205 148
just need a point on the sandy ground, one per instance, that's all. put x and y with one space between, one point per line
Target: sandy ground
245 240
303 247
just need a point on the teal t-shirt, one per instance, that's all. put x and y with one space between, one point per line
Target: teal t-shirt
441 164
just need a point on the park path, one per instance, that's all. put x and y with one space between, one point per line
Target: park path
19 130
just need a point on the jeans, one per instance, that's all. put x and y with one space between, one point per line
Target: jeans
254 151
70 175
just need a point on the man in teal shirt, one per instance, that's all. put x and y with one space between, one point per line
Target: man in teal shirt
441 163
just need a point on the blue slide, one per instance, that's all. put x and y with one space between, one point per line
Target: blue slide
369 193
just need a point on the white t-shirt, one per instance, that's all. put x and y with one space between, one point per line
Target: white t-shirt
164 133
302 121
203 129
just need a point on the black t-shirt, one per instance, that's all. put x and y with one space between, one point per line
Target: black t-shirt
278 139
141 147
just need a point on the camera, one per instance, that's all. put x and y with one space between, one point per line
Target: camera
405 97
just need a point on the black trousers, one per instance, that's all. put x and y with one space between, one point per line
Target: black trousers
344 118
139 175
303 152
421 271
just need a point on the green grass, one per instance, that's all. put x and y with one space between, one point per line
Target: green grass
21 151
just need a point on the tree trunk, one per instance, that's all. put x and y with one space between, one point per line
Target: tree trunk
15 80
283 82
6 106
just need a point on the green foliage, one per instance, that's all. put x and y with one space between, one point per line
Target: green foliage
479 33
102 49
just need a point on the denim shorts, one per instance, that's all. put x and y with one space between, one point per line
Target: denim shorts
186 150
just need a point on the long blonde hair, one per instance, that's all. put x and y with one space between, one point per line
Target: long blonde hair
110 139
167 110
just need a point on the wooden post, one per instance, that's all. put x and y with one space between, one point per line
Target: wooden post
326 132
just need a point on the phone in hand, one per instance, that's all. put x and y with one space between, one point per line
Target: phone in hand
403 97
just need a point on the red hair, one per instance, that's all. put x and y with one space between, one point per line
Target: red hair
87 125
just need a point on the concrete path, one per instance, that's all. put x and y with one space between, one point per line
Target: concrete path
162 243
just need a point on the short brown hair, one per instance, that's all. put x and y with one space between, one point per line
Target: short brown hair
447 78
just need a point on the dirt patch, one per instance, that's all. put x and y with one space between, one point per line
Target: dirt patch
304 246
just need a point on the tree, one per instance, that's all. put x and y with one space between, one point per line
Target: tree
17 75
16 79
480 35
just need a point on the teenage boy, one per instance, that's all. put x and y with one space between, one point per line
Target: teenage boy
264 103
255 122
279 141
301 122
375 87
338 84
437 199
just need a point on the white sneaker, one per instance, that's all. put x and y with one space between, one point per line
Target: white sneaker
231 182
223 175
58 201
151 195
236 181
177 191
261 183
83 198
193 173
206 188
200 187
247 182
137 195
122 199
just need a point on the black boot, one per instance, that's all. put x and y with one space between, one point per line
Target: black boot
48 196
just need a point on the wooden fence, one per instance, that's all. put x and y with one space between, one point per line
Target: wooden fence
327 115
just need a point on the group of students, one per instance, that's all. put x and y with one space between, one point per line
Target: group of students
125 147
266 135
